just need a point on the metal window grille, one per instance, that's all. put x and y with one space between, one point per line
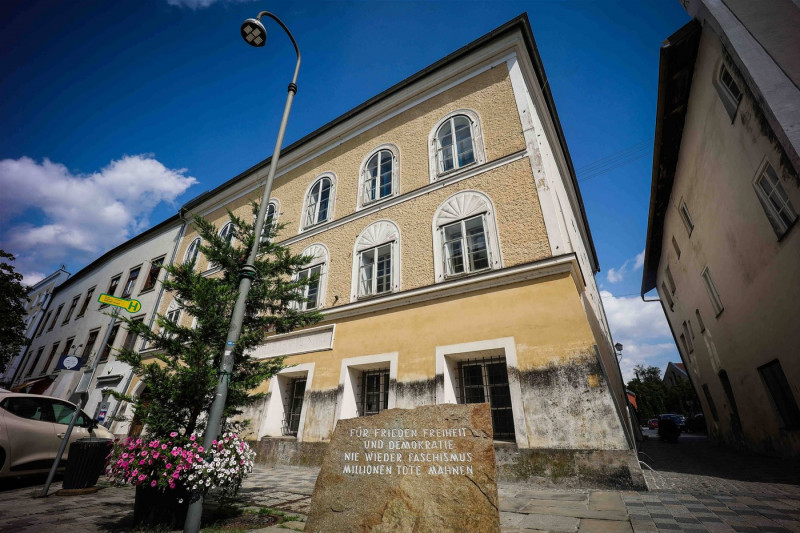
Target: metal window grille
465 249
293 406
486 380
374 393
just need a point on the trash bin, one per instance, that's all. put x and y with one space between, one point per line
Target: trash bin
87 460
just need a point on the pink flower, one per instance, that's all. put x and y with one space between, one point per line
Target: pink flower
155 455
144 453
141 462
169 465
149 461
163 446
135 471
200 449
192 438
153 483
173 434
175 475
172 485
124 455
142 477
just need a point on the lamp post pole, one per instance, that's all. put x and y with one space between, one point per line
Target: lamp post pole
253 33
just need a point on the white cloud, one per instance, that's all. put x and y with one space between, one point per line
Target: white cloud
32 278
642 329
200 4
615 275
83 215
639 262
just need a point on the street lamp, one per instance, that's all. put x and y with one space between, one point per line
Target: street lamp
254 34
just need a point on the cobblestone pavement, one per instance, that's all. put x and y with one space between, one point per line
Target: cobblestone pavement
694 487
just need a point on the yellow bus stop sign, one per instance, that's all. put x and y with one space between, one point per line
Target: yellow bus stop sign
130 306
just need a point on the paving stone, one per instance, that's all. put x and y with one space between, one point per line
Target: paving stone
550 522
590 525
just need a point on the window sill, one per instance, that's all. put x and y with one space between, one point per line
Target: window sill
373 296
785 233
145 291
448 277
316 225
376 202
447 174
720 312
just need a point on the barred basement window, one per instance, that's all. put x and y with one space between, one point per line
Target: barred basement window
374 396
486 380
294 406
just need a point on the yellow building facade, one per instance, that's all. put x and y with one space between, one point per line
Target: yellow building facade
455 263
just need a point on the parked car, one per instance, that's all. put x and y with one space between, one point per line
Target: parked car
31 430
670 427
652 423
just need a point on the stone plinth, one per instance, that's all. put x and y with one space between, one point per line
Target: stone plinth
429 469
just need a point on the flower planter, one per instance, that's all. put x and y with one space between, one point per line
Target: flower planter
154 506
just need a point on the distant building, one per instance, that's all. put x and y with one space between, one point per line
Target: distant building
723 247
76 323
35 311
674 374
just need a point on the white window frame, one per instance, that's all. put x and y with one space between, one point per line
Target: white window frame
767 173
192 250
478 148
304 225
729 100
176 310
272 420
686 217
226 232
351 369
375 235
713 293
275 205
362 180
320 255
461 206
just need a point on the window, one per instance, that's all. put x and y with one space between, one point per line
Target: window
379 175
192 251
454 145
297 389
55 318
318 202
131 283
68 346
63 413
670 281
87 348
310 291
374 396
668 295
486 380
271 220
465 236
35 361
700 322
72 307
107 348
780 394
776 204
53 352
28 407
152 276
716 303
313 292
684 344
375 271
465 247
86 301
112 287
43 322
687 218
688 338
691 329
376 268
710 401
676 247
130 338
174 316
226 233
729 91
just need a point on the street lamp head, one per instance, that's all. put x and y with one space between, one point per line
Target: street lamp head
253 32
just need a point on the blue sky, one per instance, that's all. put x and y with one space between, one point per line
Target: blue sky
113 114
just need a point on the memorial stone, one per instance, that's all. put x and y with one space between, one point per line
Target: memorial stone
428 469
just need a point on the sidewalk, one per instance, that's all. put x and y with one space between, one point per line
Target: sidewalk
756 506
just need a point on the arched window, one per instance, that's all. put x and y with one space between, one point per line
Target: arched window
465 236
192 251
379 173
227 232
319 202
456 142
314 292
376 261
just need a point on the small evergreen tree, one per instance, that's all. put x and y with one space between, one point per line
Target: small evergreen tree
182 374
13 295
